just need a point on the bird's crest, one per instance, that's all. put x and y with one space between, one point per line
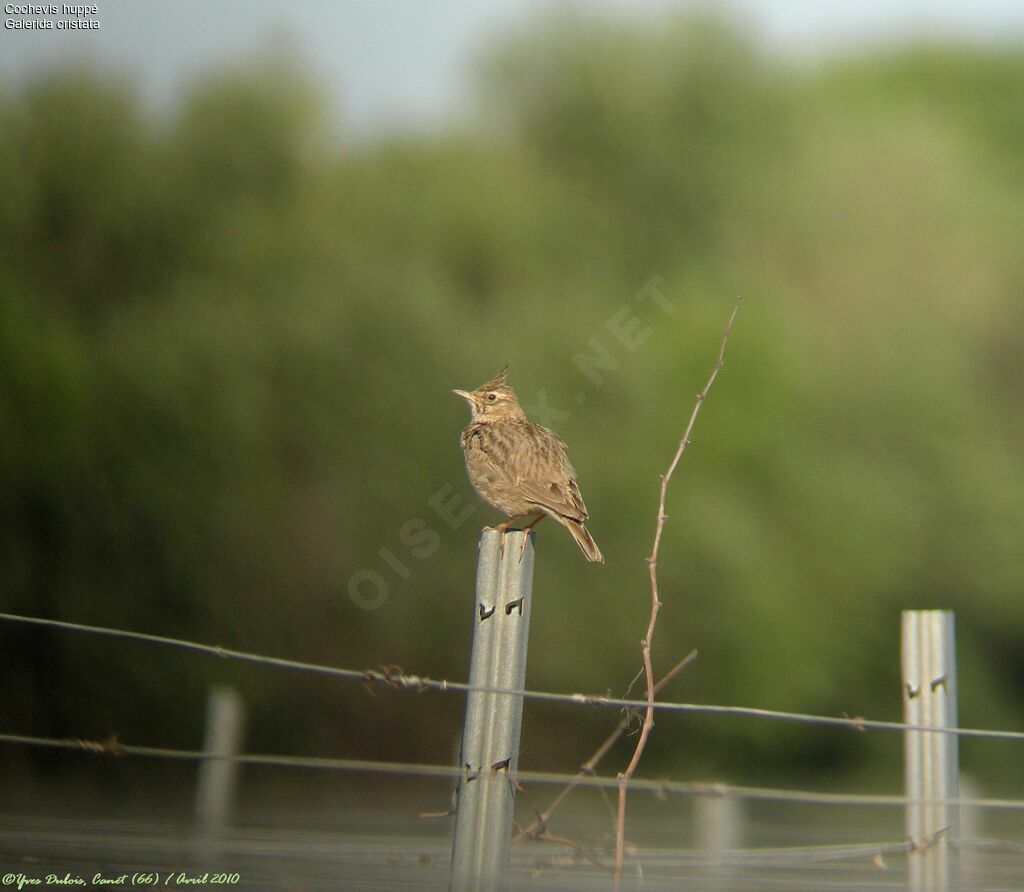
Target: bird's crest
497 381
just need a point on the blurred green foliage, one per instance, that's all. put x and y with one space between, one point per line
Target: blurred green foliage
227 344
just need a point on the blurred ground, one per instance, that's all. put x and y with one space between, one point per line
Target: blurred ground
319 833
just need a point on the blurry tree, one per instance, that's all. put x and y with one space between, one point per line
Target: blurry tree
227 346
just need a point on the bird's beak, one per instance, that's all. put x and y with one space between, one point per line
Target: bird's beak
468 397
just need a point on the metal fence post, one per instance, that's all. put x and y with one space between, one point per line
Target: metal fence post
224 720
718 817
928 657
972 829
490 737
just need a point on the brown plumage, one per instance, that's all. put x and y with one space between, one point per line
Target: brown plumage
519 467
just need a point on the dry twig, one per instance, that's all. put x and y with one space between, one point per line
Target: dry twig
544 834
540 825
645 645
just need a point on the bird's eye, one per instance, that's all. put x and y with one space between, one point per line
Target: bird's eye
491 397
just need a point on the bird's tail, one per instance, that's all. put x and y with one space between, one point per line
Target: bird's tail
585 541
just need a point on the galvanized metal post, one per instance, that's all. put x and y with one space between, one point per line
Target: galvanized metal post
931 769
972 828
490 737
225 717
718 817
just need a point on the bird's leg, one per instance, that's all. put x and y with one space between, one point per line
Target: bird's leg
526 529
502 528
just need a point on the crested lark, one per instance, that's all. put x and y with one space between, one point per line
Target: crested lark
519 467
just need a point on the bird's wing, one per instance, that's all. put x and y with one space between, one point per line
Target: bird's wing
530 459
545 475
559 498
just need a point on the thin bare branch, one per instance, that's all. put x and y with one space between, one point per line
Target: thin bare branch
652 569
578 849
590 766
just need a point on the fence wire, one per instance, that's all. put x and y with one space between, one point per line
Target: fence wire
116 748
394 677
787 866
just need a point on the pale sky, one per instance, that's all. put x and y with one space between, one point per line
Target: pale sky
389 63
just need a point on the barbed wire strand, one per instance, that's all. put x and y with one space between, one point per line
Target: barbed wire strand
769 856
394 677
114 749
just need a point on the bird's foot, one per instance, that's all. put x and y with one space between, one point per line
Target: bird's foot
528 529
507 527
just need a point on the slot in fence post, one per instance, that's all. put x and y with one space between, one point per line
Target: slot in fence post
225 716
931 770
490 738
